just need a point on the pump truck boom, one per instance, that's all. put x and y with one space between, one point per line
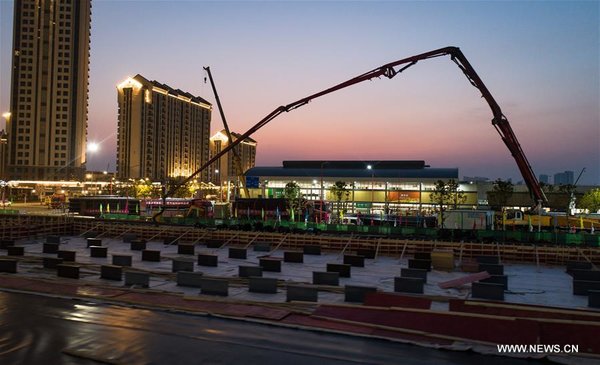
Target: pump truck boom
390 70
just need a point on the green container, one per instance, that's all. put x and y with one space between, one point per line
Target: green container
574 239
592 240
408 230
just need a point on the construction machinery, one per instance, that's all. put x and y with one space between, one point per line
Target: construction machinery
391 70
237 161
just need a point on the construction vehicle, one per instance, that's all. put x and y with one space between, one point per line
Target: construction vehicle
391 70
57 201
237 161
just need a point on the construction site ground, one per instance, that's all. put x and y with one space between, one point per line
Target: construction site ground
527 283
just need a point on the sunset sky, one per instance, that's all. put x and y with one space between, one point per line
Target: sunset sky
540 60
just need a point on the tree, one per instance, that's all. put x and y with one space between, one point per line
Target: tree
591 201
446 193
293 196
547 188
439 197
456 196
500 195
182 191
340 190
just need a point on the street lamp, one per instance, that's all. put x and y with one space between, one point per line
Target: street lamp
370 168
219 176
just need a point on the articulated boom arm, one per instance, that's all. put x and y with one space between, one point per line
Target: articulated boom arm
390 70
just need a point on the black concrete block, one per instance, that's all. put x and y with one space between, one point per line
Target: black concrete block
111 272
53 239
182 265
356 293
191 279
414 273
122 260
588 275
51 262
368 253
304 293
492 269
312 249
208 260
98 251
582 287
343 269
247 271
419 264
137 245
578 265
214 243
257 284
5 243
67 255
15 251
214 287
487 291
495 260
594 298
186 248
497 279
262 246
326 278
138 278
409 285
8 265
128 237
171 241
50 248
293 256
354 260
91 234
422 256
93 242
151 255
67 271
270 264
237 253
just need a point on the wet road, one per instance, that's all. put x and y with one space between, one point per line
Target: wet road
41 330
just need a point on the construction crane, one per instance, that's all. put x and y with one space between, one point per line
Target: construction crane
572 188
237 162
390 70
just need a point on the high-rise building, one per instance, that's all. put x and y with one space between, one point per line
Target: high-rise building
162 132
563 178
49 89
224 169
544 179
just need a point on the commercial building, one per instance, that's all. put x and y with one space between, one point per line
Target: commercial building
563 178
545 179
49 90
163 132
225 169
371 186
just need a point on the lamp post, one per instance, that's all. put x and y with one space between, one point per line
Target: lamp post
369 167
3 185
219 179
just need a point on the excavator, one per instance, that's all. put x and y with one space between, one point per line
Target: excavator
391 70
